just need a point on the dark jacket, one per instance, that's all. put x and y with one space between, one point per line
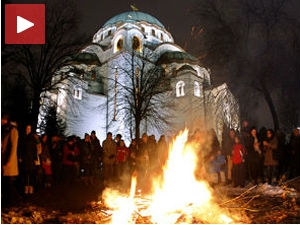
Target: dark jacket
227 146
29 152
85 153
97 150
252 155
71 153
270 151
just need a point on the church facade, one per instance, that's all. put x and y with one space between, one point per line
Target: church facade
89 94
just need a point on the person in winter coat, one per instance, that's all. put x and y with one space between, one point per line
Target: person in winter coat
270 163
254 156
153 154
86 165
238 160
109 156
227 145
28 158
97 155
70 160
133 148
217 165
46 161
56 153
162 149
142 159
121 160
9 159
38 170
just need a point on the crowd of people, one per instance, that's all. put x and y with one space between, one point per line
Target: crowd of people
252 156
41 162
36 162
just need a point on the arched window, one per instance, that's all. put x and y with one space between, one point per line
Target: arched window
161 37
118 44
196 89
153 32
180 88
109 33
136 44
77 92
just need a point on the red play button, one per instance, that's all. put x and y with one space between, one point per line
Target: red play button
24 24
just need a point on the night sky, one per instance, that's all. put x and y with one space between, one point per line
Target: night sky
174 15
178 20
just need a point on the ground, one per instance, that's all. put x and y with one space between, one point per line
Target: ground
81 204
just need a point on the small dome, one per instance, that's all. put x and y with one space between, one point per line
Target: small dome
176 56
84 57
186 67
134 16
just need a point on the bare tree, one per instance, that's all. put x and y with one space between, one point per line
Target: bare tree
139 91
38 63
249 39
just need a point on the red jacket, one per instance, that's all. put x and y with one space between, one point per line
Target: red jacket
70 155
238 153
122 153
47 168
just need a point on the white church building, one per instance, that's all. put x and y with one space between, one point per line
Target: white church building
87 98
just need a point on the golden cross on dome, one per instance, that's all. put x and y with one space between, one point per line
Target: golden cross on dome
134 8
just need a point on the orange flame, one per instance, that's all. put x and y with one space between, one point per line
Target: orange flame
177 197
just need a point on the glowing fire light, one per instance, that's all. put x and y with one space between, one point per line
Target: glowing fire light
177 196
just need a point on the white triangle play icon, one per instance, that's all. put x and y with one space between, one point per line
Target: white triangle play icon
23 24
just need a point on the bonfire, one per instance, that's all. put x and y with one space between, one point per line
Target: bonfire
177 195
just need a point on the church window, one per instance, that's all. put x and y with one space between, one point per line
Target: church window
161 37
77 92
119 43
180 88
136 44
109 33
196 89
143 29
153 32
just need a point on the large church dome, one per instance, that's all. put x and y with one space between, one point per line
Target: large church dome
134 16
